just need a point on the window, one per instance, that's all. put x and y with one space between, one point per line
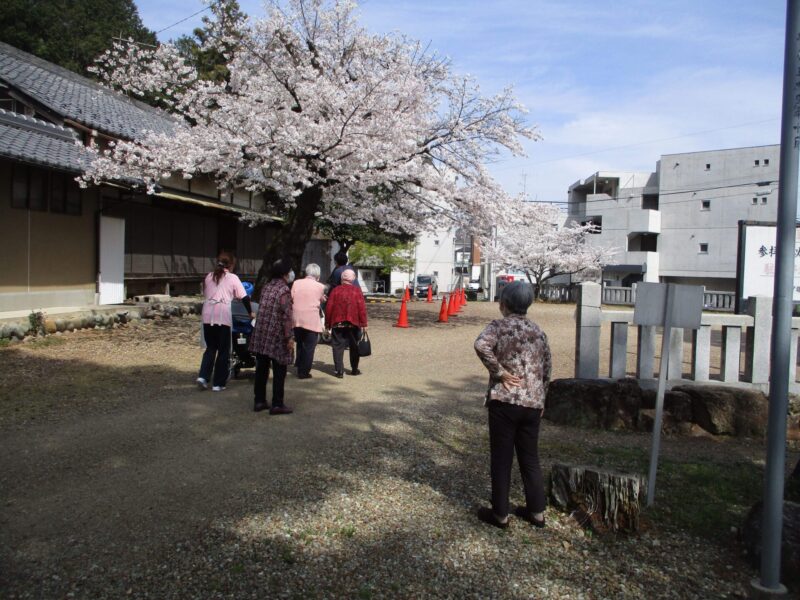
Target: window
755 200
703 248
708 166
705 205
435 242
764 200
757 162
436 273
597 222
32 188
766 162
58 192
650 201
28 188
19 188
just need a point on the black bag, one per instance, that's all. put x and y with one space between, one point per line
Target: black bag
364 345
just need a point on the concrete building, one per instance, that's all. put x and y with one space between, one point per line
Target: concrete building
679 223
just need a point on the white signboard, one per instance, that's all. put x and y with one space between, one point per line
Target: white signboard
758 262
686 308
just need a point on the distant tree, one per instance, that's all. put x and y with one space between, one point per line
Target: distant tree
70 33
531 241
385 258
210 47
346 234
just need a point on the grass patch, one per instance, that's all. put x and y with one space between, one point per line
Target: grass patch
348 531
706 499
5 342
47 342
702 498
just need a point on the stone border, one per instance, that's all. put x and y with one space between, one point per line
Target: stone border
21 330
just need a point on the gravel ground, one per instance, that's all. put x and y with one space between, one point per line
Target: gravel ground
119 479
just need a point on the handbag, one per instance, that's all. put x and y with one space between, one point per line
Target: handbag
364 345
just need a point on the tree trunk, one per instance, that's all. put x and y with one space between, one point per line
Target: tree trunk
291 239
602 500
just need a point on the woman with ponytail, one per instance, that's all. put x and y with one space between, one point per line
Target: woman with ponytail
219 288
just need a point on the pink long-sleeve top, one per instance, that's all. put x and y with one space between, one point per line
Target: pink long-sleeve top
217 307
307 294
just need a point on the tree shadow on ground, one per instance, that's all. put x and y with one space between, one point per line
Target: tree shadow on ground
181 493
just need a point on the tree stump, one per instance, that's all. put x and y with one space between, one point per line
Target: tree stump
600 499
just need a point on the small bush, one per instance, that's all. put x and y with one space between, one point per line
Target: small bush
36 322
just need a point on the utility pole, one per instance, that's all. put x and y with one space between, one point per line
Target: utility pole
772 521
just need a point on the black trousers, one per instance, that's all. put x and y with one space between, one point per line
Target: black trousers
341 338
262 376
217 355
306 341
515 427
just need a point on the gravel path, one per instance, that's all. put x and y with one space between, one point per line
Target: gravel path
119 479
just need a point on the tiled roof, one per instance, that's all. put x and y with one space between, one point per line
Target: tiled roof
31 140
78 98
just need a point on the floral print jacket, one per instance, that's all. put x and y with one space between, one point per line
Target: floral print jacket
274 323
517 346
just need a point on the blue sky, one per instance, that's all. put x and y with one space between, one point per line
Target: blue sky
610 85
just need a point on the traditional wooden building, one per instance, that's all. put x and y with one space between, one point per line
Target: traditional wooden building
66 246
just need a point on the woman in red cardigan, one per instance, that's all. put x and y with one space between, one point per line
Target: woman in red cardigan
346 313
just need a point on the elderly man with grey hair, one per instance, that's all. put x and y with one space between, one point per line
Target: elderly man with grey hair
307 294
516 353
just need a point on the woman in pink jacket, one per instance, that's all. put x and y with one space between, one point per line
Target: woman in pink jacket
219 288
307 295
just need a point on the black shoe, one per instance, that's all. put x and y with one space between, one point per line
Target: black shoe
280 410
306 376
487 516
523 514
355 372
260 406
339 374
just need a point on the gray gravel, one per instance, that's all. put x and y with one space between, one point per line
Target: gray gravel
119 479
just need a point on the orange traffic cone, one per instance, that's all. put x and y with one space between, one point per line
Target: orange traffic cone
451 307
430 294
406 295
443 311
402 319
463 297
458 300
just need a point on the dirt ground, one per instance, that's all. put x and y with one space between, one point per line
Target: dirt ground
119 478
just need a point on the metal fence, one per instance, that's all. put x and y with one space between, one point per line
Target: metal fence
557 293
626 296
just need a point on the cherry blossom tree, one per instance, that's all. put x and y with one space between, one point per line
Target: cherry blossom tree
532 241
330 120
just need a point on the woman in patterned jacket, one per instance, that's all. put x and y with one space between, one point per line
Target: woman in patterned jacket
517 355
273 338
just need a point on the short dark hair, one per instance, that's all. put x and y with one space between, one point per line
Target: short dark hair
517 296
280 268
340 258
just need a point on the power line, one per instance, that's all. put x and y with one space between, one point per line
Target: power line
121 39
186 19
645 143
664 193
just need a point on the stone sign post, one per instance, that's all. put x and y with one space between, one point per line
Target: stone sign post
667 305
